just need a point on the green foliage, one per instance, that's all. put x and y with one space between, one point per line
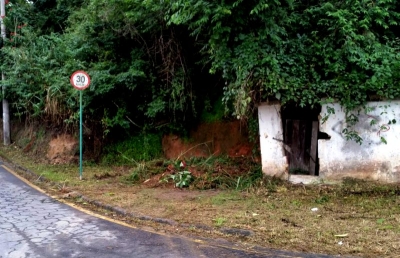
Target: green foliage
155 74
219 221
218 173
250 179
141 171
322 199
53 15
36 82
254 135
139 74
142 147
150 61
182 178
298 51
213 112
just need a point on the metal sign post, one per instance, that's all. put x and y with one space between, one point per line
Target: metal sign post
80 80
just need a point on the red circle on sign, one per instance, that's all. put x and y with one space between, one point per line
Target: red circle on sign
80 80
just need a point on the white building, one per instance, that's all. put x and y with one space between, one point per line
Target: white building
299 145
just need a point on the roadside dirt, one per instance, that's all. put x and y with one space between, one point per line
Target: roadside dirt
62 149
218 138
355 218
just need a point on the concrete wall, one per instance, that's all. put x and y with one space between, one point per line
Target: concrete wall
338 157
273 159
373 159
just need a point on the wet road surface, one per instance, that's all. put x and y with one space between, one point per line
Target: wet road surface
33 224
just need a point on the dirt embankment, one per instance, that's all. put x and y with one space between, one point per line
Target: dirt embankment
218 138
354 219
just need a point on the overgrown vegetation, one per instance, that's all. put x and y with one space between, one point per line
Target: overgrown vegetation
298 51
181 178
198 173
165 65
161 66
139 148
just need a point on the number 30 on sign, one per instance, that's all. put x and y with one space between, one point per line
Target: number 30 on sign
80 80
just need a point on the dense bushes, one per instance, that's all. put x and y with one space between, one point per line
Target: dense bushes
160 64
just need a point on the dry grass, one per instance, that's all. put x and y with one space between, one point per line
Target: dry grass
354 218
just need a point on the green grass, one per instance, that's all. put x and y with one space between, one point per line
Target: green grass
219 221
54 176
278 213
226 197
143 147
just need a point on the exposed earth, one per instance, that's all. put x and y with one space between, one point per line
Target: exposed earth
228 199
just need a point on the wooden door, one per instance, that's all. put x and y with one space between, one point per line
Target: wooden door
301 138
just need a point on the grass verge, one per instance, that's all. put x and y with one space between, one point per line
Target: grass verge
355 218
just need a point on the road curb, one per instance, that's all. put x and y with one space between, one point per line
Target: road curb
122 212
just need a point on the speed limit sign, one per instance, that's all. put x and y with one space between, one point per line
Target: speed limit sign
80 80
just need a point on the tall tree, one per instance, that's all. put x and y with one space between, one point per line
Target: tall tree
150 61
298 51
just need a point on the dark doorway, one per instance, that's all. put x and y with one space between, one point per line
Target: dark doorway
300 136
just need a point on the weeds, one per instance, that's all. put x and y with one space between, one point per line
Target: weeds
213 173
219 221
225 173
351 186
143 147
143 171
53 175
63 187
322 199
251 179
356 218
211 180
182 179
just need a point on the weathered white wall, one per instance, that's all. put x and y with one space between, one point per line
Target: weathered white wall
373 159
338 157
274 161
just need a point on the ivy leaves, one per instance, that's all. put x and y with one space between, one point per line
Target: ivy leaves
298 51
144 55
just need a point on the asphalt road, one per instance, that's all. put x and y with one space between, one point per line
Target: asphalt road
33 224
